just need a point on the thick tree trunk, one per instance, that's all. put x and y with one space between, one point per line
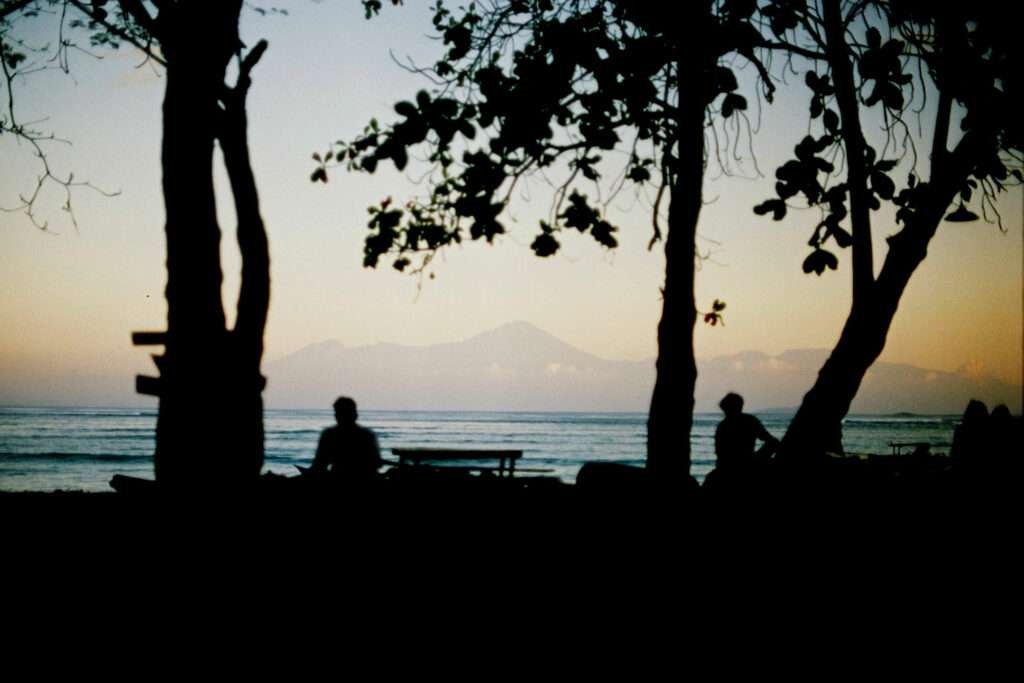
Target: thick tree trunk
210 416
816 428
670 418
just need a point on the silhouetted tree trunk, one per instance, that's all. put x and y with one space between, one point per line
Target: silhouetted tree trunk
817 426
246 340
670 418
210 424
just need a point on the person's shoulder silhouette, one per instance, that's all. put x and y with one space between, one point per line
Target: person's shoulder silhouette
347 449
737 434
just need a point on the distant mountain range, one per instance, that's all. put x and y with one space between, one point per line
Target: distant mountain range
520 367
514 367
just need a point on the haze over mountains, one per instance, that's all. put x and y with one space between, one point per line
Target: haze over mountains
520 367
517 367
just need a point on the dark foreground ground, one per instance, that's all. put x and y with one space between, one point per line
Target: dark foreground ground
611 507
537 561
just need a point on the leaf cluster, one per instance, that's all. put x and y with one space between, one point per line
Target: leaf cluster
528 87
964 55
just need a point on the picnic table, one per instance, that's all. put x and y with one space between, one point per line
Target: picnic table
464 459
897 447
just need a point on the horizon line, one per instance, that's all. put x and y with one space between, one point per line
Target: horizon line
777 410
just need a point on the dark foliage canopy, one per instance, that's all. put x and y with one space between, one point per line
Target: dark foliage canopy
904 51
564 90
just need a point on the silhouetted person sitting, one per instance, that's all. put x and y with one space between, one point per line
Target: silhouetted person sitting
970 439
347 451
1003 446
737 435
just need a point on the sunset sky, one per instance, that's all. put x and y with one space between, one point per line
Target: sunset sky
69 300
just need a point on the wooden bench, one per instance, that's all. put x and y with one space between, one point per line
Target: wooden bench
897 448
417 457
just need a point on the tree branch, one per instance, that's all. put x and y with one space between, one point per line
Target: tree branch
9 77
942 117
853 138
12 7
140 15
147 49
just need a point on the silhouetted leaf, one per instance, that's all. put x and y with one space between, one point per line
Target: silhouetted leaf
842 238
319 175
886 165
962 215
400 157
446 107
818 260
725 79
740 9
467 128
892 96
13 58
544 245
784 190
882 185
875 96
639 174
823 165
823 143
776 206
406 109
831 121
733 102
602 232
579 213
874 38
389 220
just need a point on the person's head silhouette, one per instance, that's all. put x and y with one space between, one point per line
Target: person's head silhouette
732 404
345 411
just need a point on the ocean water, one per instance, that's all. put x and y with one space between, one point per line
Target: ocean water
45 449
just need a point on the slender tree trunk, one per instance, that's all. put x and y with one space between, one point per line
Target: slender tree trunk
670 418
210 416
246 340
863 270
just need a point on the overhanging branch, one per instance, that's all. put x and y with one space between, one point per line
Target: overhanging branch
100 19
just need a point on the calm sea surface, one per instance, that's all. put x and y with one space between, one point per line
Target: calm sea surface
44 449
